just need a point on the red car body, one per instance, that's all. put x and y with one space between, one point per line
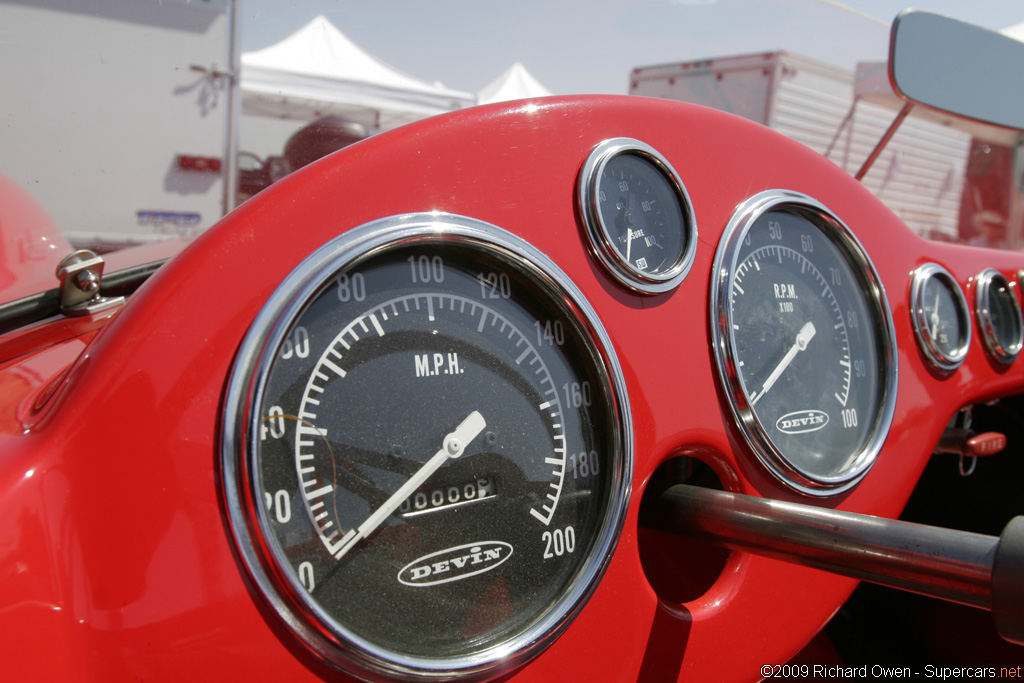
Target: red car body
116 557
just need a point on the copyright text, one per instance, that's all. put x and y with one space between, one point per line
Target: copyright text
878 671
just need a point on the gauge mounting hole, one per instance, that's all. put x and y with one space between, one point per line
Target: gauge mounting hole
679 569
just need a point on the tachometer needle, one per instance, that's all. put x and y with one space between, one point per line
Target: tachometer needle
454 445
803 337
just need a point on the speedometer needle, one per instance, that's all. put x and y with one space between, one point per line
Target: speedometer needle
803 337
454 445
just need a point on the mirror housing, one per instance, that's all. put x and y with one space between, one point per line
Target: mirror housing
957 68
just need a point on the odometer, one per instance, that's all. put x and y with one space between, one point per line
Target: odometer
428 451
804 342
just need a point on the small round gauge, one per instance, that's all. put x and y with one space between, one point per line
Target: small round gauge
999 316
941 318
804 342
638 216
427 450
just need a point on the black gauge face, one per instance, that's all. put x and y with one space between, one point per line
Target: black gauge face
638 207
803 345
638 216
940 317
999 316
438 451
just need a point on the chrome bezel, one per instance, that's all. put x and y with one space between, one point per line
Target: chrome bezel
249 520
1002 351
724 341
600 238
946 362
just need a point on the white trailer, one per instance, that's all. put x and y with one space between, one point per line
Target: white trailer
920 175
119 116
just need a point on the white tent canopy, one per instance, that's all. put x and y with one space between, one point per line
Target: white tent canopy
317 71
513 84
1015 31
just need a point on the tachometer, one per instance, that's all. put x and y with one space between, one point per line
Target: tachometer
428 449
804 342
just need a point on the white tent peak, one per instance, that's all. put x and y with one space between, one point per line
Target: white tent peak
1015 31
513 84
318 71
320 49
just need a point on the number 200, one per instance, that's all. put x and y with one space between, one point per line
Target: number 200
558 542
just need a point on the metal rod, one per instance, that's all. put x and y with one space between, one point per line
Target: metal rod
869 162
232 110
842 126
942 563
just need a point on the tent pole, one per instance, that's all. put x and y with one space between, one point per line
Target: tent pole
233 111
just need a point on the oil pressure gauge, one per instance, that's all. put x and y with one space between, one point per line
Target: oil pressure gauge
941 319
427 450
638 216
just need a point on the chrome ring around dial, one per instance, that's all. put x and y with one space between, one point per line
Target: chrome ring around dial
804 342
940 316
999 316
427 450
638 216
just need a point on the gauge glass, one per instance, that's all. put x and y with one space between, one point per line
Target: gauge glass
433 449
804 342
638 215
940 316
999 316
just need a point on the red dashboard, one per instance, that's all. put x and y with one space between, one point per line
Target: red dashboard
120 557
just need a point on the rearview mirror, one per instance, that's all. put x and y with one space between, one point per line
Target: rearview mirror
957 68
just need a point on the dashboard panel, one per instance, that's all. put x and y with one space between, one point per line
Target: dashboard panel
142 462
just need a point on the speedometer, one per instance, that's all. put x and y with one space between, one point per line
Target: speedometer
804 342
428 450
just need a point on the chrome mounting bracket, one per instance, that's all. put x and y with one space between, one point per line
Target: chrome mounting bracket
80 275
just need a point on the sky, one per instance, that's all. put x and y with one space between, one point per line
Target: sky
577 46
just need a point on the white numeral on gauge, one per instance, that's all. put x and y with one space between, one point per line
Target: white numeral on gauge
558 542
494 285
273 424
577 394
550 332
584 464
426 269
297 344
280 504
306 576
351 287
